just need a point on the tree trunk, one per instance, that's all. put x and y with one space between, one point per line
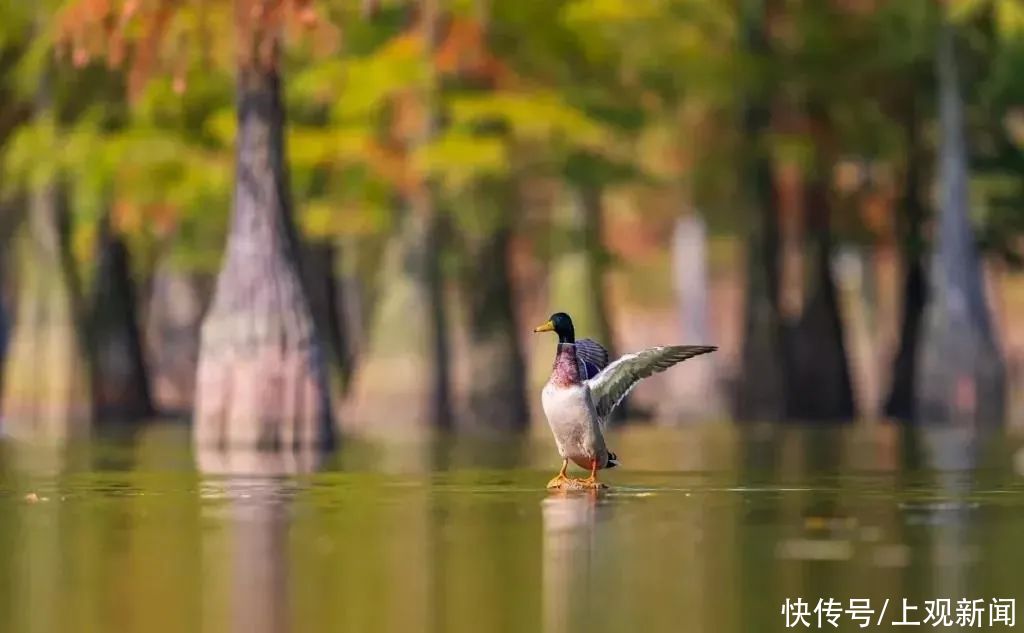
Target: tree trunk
358 259
46 387
497 381
760 391
326 298
120 379
407 358
900 403
818 375
695 392
960 374
262 376
177 303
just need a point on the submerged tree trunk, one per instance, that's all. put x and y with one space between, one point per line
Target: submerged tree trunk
402 382
497 381
960 375
818 374
358 259
760 390
178 300
47 392
900 403
262 377
326 297
120 380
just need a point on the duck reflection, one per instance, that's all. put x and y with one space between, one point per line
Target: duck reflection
249 495
575 528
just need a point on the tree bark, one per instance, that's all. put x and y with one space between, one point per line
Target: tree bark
960 375
497 381
178 300
760 391
900 402
120 378
262 376
47 391
818 375
326 297
358 259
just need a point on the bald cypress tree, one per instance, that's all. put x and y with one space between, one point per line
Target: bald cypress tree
120 377
760 391
47 392
960 376
497 379
262 377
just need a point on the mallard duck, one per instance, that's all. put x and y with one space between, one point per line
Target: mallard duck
584 389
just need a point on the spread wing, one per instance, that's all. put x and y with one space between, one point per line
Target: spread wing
610 386
592 355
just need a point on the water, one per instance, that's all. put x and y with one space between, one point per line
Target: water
708 528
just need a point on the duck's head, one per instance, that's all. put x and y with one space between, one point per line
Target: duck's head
560 324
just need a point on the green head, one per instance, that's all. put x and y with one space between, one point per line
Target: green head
560 324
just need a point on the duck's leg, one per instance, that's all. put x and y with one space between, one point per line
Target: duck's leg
591 481
560 478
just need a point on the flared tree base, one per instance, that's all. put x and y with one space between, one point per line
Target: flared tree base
269 398
46 392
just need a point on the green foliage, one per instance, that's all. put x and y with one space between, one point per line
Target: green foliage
1008 15
457 159
537 116
595 93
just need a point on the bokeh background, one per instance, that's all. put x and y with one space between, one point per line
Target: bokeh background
229 225
829 191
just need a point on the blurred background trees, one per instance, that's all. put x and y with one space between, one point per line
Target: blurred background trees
830 191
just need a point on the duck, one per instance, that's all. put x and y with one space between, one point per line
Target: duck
584 389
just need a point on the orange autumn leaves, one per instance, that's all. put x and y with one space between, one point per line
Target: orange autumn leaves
160 36
150 37
182 41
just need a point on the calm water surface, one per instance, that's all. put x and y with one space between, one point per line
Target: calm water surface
707 528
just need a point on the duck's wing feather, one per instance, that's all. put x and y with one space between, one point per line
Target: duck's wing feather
612 384
592 355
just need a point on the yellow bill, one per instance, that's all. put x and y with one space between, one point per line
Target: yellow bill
545 327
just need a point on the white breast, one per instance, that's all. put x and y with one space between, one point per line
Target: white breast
572 419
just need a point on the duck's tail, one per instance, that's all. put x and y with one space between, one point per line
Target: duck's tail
613 460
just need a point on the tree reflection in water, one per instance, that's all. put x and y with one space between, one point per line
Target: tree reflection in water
246 558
